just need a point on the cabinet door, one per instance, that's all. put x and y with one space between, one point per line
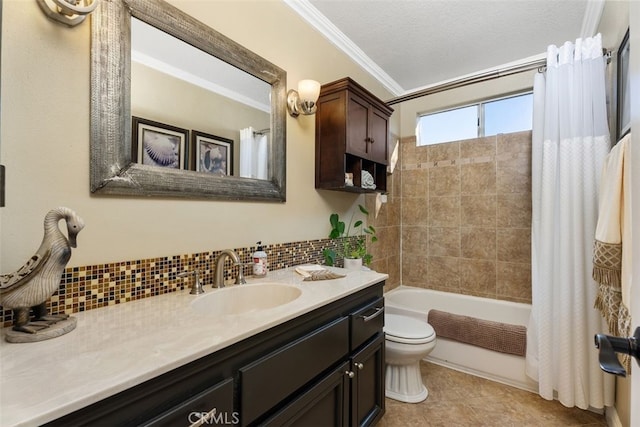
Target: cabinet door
367 384
324 404
378 136
357 126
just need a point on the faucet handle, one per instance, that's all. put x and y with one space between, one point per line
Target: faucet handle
240 280
196 287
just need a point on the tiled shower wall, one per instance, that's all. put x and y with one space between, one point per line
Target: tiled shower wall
385 217
466 216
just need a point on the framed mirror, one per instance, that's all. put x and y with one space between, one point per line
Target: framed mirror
114 167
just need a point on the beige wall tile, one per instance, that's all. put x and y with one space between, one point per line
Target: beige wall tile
443 273
407 150
478 243
396 182
444 211
415 240
415 183
514 281
514 210
479 147
479 211
444 241
478 277
478 178
513 175
421 154
514 244
415 211
444 181
414 270
447 151
517 142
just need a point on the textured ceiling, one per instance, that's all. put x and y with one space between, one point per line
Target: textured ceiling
412 44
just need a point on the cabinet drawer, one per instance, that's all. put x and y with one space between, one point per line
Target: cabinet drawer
195 410
366 322
271 379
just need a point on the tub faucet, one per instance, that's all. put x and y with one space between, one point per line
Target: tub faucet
219 278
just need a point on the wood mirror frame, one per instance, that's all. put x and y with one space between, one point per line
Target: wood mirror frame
112 168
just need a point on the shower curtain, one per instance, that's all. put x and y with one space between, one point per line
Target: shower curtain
570 143
253 154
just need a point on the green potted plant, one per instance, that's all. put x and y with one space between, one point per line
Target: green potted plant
353 247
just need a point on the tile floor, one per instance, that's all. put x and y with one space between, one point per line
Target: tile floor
457 399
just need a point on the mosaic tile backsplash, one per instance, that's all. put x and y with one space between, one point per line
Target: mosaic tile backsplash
94 286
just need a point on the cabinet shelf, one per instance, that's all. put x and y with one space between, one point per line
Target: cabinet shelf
352 133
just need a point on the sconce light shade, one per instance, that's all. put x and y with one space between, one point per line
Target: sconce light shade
67 12
303 101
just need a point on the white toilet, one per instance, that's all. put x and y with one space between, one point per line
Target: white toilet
408 340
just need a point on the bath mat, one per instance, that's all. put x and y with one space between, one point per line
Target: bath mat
497 336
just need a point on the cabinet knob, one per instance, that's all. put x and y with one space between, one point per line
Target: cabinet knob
359 365
371 140
350 374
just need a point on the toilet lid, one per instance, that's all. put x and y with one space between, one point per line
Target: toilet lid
407 328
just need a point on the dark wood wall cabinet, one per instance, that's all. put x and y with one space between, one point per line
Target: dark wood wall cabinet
324 368
352 134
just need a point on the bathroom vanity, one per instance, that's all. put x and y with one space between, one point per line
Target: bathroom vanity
318 360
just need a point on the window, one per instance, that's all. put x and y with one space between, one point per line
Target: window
491 117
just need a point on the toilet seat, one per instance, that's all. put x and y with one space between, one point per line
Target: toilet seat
407 330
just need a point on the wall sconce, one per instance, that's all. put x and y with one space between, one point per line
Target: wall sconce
67 12
303 101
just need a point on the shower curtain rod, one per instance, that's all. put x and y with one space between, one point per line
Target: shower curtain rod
261 131
540 64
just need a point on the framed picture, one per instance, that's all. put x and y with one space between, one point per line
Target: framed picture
624 88
212 154
159 144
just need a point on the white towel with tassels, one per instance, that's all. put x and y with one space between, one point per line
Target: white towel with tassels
612 260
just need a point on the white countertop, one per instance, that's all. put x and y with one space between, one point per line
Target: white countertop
117 347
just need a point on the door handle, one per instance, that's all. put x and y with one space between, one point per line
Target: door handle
610 345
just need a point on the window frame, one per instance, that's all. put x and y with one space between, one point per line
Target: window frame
480 125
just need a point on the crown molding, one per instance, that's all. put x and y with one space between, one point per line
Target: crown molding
320 22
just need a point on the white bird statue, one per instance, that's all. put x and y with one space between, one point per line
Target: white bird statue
33 283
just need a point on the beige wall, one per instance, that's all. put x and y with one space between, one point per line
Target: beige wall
45 142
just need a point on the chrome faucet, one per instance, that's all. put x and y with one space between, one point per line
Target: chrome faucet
219 278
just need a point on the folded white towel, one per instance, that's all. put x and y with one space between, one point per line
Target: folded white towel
368 181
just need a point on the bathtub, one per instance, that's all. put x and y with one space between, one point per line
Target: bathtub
500 367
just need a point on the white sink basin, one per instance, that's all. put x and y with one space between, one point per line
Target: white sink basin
240 299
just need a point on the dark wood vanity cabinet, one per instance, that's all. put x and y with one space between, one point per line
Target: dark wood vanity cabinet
323 368
352 132
367 384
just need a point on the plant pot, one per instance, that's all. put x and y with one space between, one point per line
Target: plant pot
353 263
